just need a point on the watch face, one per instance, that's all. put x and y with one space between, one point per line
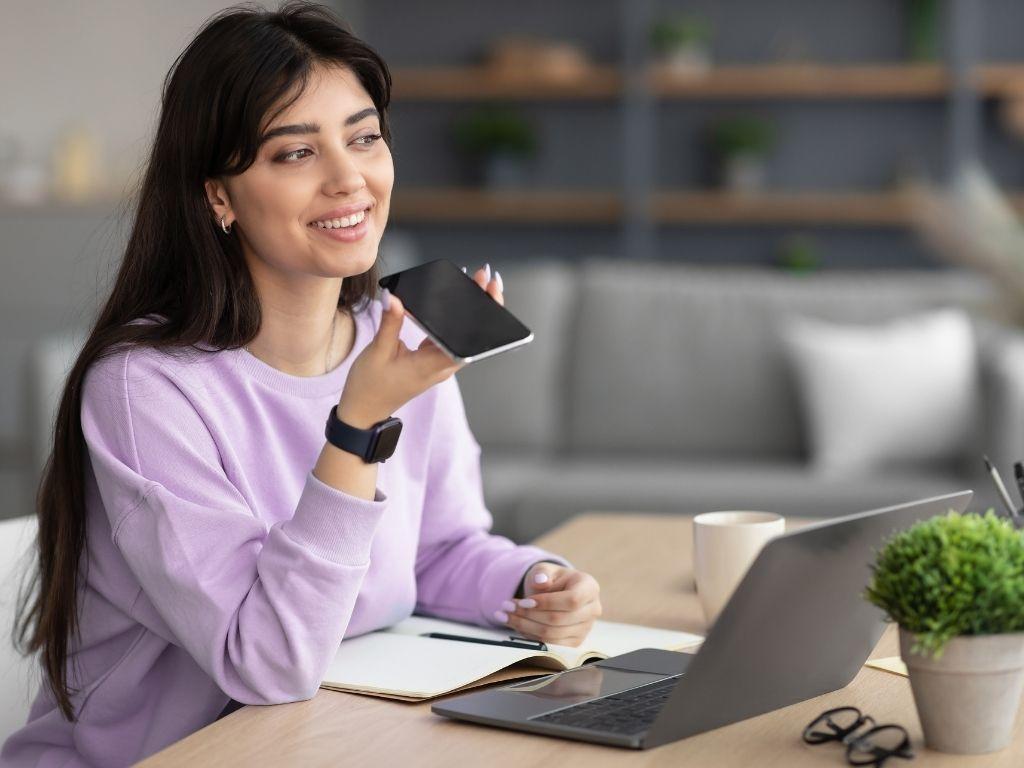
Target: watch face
387 440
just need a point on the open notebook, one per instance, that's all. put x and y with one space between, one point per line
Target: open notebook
397 663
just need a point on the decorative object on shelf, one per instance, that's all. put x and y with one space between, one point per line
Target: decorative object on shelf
1011 109
501 142
955 585
923 21
76 165
800 253
973 224
529 60
23 181
681 45
741 145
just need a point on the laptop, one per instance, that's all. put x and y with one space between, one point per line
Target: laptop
797 626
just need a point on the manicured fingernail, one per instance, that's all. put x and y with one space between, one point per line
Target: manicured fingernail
463 270
487 272
501 616
540 578
497 276
528 602
385 298
509 606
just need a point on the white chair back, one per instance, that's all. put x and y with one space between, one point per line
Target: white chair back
19 676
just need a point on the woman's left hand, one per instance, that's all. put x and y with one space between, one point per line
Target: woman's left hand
559 609
490 282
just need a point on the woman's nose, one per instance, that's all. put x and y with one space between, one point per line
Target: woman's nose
344 174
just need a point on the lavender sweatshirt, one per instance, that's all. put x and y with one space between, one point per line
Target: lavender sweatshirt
219 567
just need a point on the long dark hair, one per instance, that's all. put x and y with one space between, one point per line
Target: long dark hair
179 265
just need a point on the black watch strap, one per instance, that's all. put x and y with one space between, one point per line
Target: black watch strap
375 444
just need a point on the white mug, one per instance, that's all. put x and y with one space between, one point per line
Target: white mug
724 546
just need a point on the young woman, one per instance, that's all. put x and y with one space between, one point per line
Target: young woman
201 545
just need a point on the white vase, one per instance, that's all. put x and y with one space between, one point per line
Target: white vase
967 700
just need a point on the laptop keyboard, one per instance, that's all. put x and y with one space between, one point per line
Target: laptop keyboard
628 713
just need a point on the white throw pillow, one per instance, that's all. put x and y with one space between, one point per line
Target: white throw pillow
877 397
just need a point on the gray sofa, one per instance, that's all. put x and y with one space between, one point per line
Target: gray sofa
665 388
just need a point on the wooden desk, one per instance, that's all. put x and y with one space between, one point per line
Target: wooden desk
643 563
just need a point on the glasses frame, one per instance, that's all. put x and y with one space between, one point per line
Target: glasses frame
854 739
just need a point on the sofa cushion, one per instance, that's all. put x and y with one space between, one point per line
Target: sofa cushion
881 395
515 399
689 361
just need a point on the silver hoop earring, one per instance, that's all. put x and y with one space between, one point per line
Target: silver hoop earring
227 229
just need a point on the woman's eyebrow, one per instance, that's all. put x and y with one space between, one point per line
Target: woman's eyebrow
304 129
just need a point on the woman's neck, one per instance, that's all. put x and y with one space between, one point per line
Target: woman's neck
303 335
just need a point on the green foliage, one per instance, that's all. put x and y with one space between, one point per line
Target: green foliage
676 32
490 130
952 575
742 135
800 253
924 18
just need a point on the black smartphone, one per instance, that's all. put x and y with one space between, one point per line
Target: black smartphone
455 312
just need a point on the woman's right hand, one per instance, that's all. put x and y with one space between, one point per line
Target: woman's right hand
387 374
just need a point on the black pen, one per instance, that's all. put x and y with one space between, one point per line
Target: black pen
1003 493
1018 473
519 642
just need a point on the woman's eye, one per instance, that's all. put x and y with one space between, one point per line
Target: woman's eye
373 137
289 154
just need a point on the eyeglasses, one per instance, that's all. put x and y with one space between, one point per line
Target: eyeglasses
863 747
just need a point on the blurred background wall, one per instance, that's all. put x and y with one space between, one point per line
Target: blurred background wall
777 134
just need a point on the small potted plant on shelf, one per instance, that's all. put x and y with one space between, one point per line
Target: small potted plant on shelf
500 141
955 585
923 21
680 44
741 146
799 253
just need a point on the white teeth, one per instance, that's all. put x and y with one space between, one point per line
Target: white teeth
345 221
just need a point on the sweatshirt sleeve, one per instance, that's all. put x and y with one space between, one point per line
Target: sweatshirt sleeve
260 608
463 572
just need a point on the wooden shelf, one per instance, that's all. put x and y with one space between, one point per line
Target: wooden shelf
466 204
767 81
472 83
883 208
805 81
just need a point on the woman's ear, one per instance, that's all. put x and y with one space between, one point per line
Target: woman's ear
217 197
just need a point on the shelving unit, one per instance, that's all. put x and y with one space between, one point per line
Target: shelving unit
441 205
862 208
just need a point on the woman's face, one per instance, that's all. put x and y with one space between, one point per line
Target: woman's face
302 176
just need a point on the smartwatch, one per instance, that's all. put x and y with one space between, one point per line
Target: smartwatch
374 444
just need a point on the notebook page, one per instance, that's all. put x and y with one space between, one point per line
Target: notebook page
612 638
397 663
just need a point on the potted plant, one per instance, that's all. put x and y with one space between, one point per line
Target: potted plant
680 43
923 19
500 141
955 586
741 145
800 253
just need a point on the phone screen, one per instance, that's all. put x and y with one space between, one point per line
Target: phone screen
453 310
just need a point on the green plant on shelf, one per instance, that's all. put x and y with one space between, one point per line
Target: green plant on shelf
495 130
923 18
745 135
800 253
952 575
679 32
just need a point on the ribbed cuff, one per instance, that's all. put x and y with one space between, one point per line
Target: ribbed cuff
333 524
502 578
